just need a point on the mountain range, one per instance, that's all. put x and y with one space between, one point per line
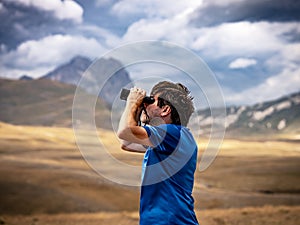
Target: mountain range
48 101
278 116
72 72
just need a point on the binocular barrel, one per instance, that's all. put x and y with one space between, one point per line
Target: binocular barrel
125 92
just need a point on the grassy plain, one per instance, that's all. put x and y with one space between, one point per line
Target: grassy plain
44 179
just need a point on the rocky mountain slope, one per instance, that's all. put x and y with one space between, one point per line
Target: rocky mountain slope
72 72
48 101
277 116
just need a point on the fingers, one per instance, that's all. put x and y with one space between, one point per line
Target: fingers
136 95
138 90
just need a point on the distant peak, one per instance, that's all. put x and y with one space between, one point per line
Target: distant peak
79 58
25 77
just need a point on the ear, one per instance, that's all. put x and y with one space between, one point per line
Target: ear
166 110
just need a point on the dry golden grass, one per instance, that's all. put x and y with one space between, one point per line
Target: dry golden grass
276 147
45 180
266 215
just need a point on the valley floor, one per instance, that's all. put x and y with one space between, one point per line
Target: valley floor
44 179
280 215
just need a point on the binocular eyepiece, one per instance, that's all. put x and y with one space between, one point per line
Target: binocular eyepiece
125 92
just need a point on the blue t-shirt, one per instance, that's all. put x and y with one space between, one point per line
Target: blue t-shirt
168 177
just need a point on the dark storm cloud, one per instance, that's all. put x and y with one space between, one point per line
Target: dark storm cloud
293 36
253 11
20 23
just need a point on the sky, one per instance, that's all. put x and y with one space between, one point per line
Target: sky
252 47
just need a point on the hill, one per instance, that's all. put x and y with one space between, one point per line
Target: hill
42 102
49 103
273 117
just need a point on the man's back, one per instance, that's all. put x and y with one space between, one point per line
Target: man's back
168 177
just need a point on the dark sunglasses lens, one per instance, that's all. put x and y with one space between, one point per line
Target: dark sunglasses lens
149 100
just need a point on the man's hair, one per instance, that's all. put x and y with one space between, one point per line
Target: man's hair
178 97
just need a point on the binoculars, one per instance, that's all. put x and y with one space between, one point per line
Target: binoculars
125 92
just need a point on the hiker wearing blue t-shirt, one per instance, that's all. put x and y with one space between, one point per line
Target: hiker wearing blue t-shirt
159 130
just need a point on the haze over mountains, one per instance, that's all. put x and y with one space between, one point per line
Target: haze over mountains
72 72
48 101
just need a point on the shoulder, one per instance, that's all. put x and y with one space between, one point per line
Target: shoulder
163 128
165 133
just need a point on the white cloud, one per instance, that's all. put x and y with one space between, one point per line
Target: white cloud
3 48
274 87
287 57
100 3
49 52
242 38
15 73
103 35
221 2
242 63
170 21
150 30
163 20
291 54
67 9
153 8
174 28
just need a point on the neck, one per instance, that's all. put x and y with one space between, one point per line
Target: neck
158 121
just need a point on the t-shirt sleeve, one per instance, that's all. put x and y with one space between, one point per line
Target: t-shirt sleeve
163 137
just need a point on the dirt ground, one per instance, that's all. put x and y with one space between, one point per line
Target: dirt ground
280 215
45 180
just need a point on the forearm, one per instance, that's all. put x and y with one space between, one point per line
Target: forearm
128 119
128 129
133 147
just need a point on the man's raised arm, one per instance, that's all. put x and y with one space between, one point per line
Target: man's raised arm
128 129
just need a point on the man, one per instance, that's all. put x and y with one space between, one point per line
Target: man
171 156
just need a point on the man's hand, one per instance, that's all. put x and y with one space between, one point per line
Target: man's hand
135 100
129 129
136 96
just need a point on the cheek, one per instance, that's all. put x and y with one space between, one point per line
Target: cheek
156 112
153 111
